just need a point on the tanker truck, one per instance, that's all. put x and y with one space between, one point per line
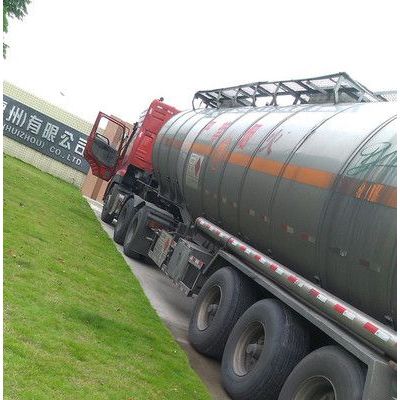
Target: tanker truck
274 205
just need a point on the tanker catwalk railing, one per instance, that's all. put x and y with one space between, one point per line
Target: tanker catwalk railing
334 88
375 333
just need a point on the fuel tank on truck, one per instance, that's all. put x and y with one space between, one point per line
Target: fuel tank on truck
314 186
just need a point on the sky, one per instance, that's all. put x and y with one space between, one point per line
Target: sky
117 56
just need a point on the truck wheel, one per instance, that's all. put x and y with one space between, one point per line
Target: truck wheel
221 301
106 215
264 346
327 373
130 237
124 218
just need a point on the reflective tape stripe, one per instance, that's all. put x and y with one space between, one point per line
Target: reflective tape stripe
306 236
318 295
382 335
370 327
279 271
196 261
322 298
339 308
260 258
288 228
349 315
351 318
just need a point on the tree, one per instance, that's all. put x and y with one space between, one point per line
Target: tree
12 9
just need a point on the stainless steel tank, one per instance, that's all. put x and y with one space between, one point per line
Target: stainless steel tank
312 185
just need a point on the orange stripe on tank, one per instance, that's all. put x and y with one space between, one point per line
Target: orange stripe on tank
392 197
239 159
369 191
309 176
372 192
201 148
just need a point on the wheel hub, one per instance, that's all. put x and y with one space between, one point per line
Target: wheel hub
209 308
249 348
316 388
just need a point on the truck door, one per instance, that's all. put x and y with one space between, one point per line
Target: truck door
104 152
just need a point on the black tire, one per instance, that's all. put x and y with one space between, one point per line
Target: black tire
106 215
265 345
131 236
209 329
326 370
124 218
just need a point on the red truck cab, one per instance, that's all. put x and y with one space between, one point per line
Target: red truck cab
139 151
109 159
120 161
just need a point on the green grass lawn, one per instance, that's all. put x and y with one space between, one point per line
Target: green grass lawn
77 324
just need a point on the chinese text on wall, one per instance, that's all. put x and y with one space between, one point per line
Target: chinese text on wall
44 134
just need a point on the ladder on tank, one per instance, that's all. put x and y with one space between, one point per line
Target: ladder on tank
335 88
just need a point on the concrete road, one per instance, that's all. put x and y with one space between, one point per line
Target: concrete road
174 308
